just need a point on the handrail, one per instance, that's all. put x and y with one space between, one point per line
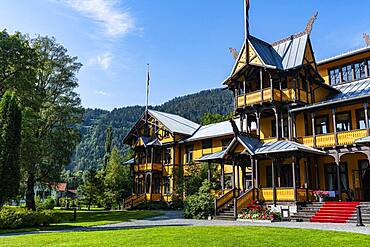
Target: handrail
137 201
226 198
245 198
127 201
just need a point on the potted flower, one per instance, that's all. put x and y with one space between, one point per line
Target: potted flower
321 195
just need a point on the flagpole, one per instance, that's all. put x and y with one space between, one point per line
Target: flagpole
246 33
147 94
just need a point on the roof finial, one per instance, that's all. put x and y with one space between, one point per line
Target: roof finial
234 53
367 39
310 23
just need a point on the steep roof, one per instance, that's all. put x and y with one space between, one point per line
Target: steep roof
285 146
347 92
175 123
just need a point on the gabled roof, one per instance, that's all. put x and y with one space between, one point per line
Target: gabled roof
214 130
249 143
292 51
285 146
344 55
175 123
347 92
266 52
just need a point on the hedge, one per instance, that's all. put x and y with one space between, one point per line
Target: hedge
20 218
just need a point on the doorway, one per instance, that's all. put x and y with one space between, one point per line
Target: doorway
364 172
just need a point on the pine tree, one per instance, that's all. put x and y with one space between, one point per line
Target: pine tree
10 141
108 145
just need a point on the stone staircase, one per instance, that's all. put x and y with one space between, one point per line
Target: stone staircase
306 212
365 212
335 212
226 213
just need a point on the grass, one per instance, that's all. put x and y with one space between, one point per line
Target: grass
89 218
193 236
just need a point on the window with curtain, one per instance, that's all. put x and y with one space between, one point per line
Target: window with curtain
157 185
360 118
343 121
322 125
331 177
347 73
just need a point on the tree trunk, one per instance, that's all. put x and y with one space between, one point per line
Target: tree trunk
30 193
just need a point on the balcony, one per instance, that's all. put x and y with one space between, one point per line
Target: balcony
285 194
328 140
288 95
148 167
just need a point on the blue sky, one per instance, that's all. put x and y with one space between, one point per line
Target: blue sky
185 41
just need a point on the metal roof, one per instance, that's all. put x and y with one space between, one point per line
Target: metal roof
266 52
214 156
285 146
347 92
175 123
214 130
129 162
344 55
363 140
292 51
249 143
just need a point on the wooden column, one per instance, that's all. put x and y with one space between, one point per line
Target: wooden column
209 171
273 181
258 123
317 172
313 129
242 122
245 92
234 175
333 111
282 124
294 177
366 117
338 177
253 176
272 87
294 126
238 172
295 89
257 177
277 122
289 126
222 177
261 83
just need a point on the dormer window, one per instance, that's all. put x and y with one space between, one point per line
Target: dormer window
334 76
350 72
347 73
360 71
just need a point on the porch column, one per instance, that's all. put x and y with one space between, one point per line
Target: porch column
222 177
333 111
294 126
233 174
366 117
261 83
151 173
253 177
243 169
238 172
245 91
276 122
294 177
317 181
209 171
338 177
273 181
257 177
289 126
313 129
282 124
258 123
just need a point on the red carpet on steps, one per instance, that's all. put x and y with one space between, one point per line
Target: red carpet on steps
335 212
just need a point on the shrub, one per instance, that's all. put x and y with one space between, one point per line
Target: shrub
11 218
257 212
47 204
201 204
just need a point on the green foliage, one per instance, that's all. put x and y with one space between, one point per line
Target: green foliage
201 204
91 190
211 118
90 151
48 203
20 218
10 141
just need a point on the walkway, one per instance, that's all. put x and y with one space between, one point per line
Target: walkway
174 218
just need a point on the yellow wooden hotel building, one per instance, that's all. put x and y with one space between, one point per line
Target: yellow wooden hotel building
299 126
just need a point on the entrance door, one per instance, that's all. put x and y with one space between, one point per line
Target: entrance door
365 178
356 180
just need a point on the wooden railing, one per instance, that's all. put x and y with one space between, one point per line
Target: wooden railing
246 198
148 167
127 201
226 198
138 200
328 140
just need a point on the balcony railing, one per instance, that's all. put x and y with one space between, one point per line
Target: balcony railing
328 140
286 96
148 167
285 194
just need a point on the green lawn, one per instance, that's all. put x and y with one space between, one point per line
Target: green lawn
90 218
193 236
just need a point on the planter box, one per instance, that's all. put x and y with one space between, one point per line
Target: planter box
256 221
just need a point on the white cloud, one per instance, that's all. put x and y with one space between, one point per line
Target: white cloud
104 61
114 21
102 93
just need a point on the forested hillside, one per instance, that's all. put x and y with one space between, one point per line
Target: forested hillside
91 148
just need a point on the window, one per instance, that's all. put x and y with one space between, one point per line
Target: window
225 143
347 73
334 76
189 154
166 185
360 117
322 125
285 126
331 182
248 180
360 70
157 185
368 67
343 121
167 156
273 128
206 144
228 181
286 176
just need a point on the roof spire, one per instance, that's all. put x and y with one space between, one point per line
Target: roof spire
367 39
310 23
234 53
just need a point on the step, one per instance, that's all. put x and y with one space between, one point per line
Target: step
328 221
219 217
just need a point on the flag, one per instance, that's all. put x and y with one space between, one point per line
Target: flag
247 6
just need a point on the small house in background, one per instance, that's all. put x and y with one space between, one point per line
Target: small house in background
57 191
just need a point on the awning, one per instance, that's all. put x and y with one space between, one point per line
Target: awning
210 157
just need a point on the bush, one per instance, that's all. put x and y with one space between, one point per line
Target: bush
201 204
47 204
11 218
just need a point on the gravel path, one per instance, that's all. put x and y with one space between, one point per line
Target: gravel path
174 218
